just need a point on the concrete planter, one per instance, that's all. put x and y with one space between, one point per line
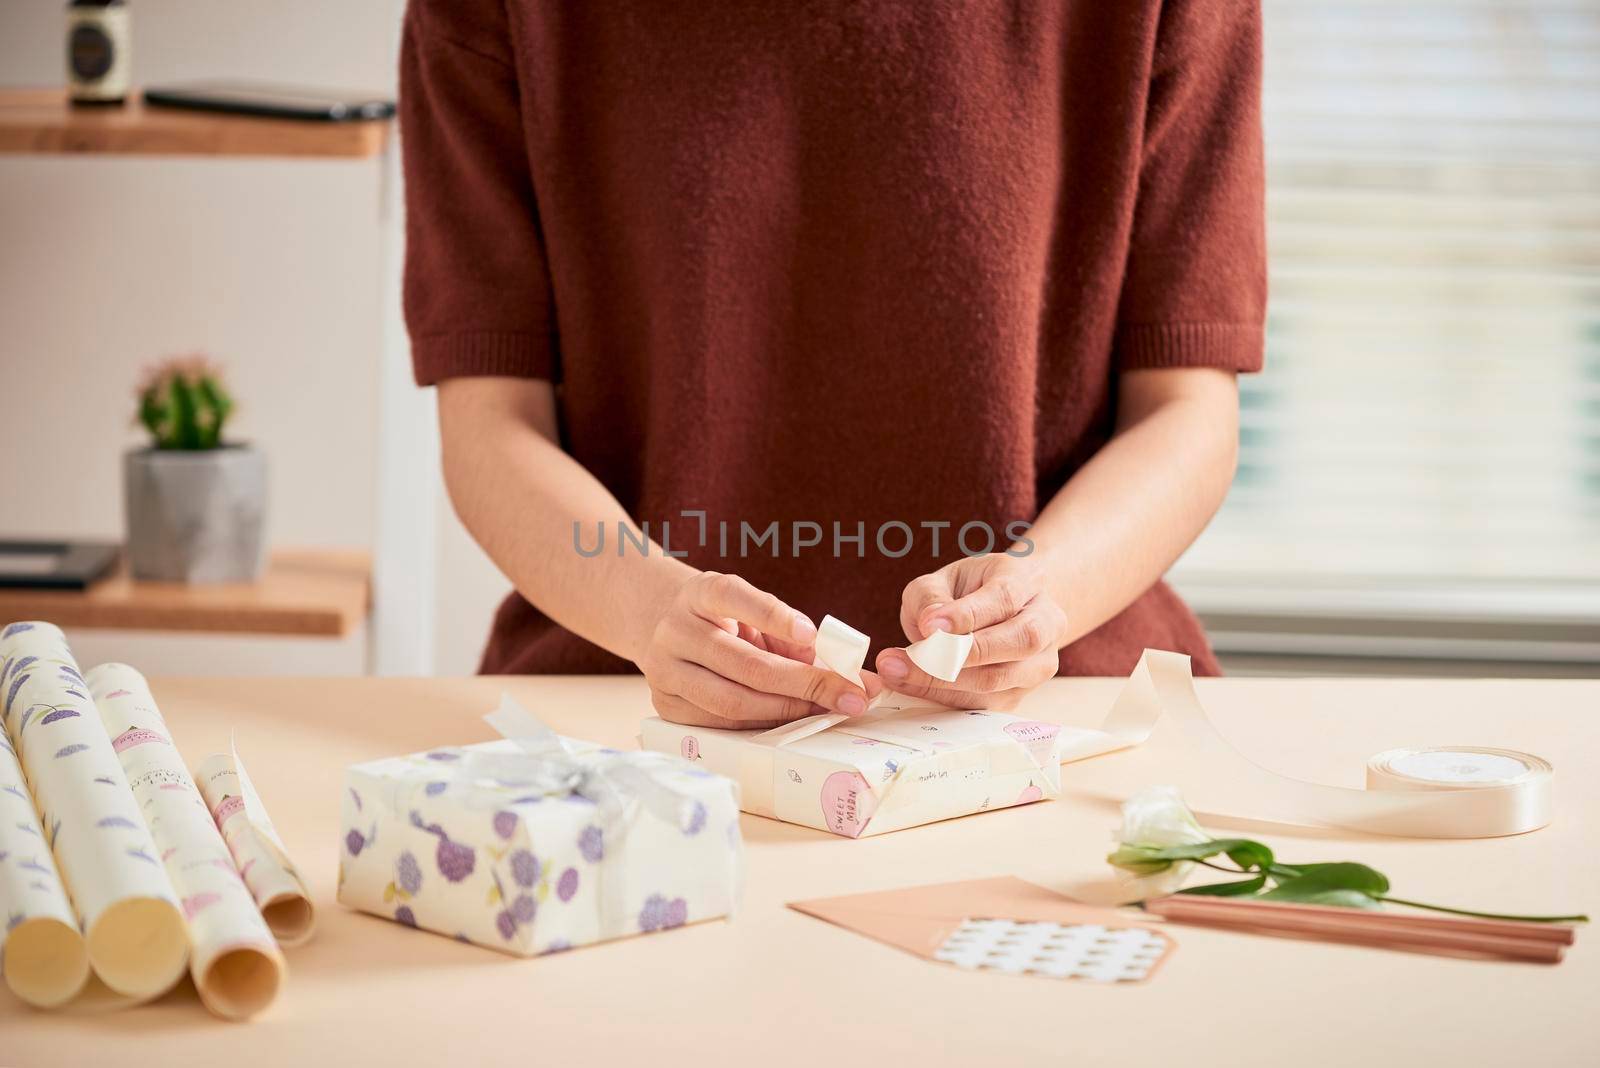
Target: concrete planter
195 516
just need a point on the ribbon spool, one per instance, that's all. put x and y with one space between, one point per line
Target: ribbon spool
1455 768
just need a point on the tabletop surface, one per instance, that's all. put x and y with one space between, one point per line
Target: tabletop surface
789 989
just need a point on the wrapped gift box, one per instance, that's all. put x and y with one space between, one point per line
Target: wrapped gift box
879 772
538 843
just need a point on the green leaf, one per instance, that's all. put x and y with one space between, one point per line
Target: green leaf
1281 872
1353 899
1249 855
1195 850
1332 884
1234 889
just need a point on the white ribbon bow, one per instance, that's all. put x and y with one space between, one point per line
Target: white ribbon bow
546 764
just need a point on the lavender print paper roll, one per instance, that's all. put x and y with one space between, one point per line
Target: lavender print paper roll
41 949
236 964
135 934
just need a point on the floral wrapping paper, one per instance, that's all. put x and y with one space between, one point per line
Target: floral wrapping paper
89 816
880 772
430 843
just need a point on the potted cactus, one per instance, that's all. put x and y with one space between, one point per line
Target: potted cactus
195 503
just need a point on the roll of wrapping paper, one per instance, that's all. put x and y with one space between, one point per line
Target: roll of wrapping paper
136 938
235 962
279 891
41 949
1436 792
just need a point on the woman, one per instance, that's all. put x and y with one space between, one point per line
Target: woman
834 272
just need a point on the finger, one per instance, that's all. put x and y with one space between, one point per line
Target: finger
997 600
1011 675
805 653
922 596
675 709
748 633
769 673
943 693
743 707
974 687
719 596
1034 630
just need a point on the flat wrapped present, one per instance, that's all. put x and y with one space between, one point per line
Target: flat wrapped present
879 772
538 843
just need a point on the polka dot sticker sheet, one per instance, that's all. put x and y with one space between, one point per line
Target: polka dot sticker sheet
1089 951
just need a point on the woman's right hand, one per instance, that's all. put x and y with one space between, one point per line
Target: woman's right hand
725 654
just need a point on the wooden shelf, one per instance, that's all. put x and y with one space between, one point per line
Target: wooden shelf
41 121
304 593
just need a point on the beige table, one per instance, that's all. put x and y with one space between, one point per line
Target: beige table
776 988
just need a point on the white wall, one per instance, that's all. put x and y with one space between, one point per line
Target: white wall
273 266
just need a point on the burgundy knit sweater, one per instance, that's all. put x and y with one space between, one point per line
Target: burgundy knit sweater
849 262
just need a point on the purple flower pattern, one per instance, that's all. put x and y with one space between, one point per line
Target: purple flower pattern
455 860
524 867
659 913
591 844
408 873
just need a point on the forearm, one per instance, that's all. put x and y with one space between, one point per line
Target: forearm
520 495
1122 520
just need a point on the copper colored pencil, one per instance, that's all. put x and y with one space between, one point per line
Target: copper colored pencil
1560 933
1410 933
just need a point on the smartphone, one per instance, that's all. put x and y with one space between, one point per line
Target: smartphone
272 101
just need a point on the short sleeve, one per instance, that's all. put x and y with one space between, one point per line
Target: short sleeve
477 288
1194 291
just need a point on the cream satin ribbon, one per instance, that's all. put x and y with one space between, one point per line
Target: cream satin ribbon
843 649
1420 793
1436 792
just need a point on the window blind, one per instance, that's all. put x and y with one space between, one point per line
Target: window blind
1425 441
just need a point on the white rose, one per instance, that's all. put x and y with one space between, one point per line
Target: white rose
1152 819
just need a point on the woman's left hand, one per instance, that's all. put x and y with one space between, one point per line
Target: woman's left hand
1016 624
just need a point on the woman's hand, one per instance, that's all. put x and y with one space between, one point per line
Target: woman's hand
1016 624
725 654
